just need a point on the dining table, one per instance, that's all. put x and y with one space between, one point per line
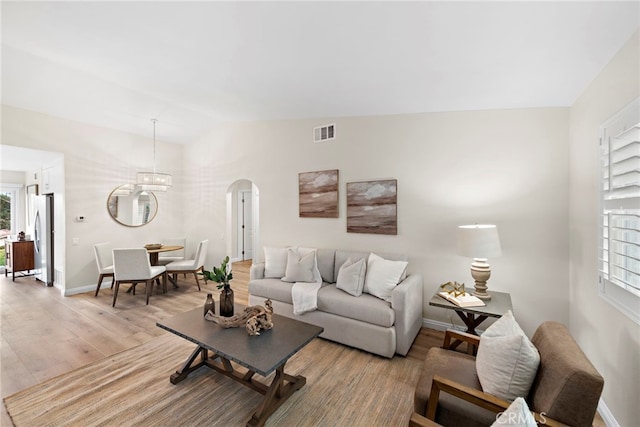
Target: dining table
153 258
153 253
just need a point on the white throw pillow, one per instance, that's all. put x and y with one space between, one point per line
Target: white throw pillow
275 262
507 361
516 415
299 267
383 276
351 277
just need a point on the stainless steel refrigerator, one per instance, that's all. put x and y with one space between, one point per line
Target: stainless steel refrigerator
43 238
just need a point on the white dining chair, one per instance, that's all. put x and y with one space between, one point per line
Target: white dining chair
133 266
165 258
104 261
194 265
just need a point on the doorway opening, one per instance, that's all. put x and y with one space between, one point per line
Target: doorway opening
242 220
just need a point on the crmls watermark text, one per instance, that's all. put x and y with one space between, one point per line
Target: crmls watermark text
502 418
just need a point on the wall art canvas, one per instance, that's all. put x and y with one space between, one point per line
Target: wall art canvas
372 207
318 194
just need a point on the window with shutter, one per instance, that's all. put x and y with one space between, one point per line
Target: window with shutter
620 210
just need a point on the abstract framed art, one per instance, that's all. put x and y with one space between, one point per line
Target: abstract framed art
372 207
318 194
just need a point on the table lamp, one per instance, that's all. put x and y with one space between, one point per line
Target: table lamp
479 242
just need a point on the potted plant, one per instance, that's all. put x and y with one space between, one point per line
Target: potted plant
222 276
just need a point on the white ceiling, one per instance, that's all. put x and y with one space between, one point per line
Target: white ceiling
193 64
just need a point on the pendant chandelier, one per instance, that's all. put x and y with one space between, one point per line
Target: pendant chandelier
154 181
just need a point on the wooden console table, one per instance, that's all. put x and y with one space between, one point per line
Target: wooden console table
19 256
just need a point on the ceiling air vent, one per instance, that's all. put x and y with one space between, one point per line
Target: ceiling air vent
324 133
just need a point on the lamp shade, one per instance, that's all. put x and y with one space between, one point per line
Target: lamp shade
478 241
153 181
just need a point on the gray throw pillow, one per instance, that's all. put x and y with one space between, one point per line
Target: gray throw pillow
507 360
351 277
383 276
299 267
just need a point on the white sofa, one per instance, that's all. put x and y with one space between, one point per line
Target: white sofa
365 322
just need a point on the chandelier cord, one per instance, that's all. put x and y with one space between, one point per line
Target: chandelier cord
154 144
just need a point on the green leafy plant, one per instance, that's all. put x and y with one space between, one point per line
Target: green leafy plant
221 275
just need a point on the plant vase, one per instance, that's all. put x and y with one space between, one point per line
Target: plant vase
226 301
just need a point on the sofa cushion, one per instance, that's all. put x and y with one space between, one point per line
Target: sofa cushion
275 262
365 308
351 277
300 266
326 262
507 361
275 289
383 276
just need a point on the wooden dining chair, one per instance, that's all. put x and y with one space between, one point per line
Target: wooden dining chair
194 265
133 266
104 261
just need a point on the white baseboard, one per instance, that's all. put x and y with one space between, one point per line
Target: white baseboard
83 289
607 416
435 324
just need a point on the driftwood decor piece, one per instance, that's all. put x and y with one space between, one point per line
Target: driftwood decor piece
255 318
372 207
318 194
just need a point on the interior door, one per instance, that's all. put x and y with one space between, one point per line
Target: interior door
245 230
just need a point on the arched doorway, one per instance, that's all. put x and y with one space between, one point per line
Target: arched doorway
243 220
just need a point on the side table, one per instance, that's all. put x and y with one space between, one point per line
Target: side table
498 305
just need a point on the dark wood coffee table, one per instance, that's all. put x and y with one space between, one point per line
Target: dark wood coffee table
262 354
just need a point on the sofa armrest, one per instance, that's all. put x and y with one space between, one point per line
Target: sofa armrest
407 302
256 271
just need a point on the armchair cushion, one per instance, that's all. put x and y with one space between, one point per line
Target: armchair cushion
507 361
458 367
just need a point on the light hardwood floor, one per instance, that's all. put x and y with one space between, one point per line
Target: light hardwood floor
45 334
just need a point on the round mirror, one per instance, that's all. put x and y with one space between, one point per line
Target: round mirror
131 206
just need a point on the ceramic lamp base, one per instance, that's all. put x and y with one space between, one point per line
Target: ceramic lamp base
481 271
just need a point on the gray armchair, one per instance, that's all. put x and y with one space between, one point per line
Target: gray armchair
566 389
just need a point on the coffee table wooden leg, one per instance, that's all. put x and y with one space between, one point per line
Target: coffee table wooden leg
188 366
277 393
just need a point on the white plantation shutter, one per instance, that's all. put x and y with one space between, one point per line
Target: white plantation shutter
620 206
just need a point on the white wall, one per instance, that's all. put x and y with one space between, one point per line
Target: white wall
96 160
608 337
502 167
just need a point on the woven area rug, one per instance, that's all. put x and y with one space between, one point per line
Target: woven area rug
345 387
